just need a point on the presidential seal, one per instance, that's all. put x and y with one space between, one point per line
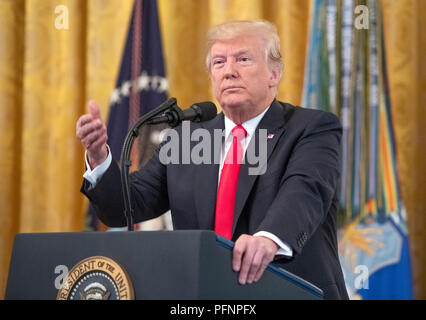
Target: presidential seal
96 278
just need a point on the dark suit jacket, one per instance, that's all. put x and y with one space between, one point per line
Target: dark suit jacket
295 199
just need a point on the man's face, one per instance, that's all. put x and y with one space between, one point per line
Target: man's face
240 74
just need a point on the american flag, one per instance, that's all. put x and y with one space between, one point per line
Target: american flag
141 86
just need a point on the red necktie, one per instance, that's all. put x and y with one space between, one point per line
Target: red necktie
228 184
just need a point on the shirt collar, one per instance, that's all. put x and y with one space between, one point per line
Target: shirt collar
249 125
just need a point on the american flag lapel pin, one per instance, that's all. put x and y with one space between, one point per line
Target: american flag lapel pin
270 136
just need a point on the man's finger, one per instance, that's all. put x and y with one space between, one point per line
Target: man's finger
91 138
256 265
96 147
246 264
261 269
237 254
86 118
88 128
95 111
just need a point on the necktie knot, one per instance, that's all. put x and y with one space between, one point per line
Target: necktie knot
239 132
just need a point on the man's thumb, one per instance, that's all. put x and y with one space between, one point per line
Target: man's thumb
94 109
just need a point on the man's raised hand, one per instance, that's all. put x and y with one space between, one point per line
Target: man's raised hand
92 133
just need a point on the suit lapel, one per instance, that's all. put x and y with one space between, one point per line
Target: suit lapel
206 180
273 121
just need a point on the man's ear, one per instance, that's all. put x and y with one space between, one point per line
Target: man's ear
274 77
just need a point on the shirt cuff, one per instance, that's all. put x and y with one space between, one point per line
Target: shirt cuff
284 249
93 176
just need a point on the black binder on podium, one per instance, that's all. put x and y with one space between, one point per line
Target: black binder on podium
147 265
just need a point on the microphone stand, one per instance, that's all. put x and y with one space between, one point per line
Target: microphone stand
125 161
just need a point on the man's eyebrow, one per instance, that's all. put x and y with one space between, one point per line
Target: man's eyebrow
238 53
218 55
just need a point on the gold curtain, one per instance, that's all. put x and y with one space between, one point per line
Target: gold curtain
405 25
47 75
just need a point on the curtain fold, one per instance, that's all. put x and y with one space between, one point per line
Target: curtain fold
52 97
47 75
11 74
405 40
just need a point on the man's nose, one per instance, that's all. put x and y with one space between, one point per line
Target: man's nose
230 70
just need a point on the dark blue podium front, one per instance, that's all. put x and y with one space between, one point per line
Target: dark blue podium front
162 265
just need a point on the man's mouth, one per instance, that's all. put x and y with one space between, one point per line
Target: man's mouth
232 88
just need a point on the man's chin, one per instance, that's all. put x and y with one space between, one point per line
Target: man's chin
233 103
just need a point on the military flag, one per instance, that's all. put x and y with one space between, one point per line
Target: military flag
346 74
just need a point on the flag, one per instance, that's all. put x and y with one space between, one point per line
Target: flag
141 85
347 53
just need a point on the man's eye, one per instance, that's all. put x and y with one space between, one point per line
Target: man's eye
217 62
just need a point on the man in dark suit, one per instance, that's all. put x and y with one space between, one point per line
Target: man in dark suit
286 214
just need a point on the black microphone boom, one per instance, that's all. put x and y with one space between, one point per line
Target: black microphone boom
125 156
202 111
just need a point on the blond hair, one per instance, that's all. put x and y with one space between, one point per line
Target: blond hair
266 30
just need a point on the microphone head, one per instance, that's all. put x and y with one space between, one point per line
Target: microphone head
206 110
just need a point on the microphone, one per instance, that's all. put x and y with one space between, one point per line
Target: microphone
199 112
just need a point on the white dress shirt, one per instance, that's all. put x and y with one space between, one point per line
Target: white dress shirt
93 176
